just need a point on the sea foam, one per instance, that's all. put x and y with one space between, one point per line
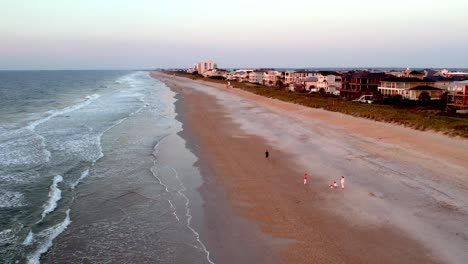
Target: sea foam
29 239
48 235
55 194
54 113
9 199
84 174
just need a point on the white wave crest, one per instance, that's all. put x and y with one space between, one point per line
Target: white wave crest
84 174
55 194
54 113
48 235
29 239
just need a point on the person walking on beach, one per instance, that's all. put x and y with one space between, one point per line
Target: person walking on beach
267 154
305 178
342 182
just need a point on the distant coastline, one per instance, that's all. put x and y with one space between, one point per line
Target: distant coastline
418 118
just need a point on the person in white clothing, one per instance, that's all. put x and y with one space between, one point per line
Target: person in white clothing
334 185
342 182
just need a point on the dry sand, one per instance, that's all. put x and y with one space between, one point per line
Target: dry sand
406 195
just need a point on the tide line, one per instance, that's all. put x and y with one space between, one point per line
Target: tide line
189 216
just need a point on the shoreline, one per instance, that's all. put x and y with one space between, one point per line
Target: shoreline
292 211
229 237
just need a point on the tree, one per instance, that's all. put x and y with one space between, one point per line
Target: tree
298 87
397 97
279 84
424 96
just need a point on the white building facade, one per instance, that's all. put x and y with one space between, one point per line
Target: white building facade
202 67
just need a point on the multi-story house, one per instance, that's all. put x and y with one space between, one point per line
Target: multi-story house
271 78
242 75
457 97
256 76
215 73
329 81
355 84
296 77
409 88
310 84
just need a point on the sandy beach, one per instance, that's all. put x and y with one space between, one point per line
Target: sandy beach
406 191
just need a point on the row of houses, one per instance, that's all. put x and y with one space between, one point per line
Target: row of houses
407 84
326 81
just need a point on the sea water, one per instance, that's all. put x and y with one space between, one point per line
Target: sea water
92 168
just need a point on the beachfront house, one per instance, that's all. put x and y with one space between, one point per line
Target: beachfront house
230 75
457 74
328 81
256 76
311 84
354 84
457 98
296 77
271 78
215 73
242 75
409 88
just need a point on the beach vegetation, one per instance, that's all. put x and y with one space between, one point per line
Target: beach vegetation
424 96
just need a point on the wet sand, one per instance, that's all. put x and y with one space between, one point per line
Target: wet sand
265 207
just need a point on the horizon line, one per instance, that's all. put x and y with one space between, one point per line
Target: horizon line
240 67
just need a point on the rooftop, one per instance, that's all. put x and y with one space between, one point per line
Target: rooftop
325 73
404 79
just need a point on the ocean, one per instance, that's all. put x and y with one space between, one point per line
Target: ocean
92 169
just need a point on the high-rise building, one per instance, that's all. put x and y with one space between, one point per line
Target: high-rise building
202 67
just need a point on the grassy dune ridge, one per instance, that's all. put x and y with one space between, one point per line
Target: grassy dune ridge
420 118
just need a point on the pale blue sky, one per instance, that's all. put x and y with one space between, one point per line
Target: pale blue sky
110 34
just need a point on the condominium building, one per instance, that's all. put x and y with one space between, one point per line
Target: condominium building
202 67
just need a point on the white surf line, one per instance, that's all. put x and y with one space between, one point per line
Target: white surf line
84 174
55 194
57 112
49 235
29 239
173 209
155 173
189 216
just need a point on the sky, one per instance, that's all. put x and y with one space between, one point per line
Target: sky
146 34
